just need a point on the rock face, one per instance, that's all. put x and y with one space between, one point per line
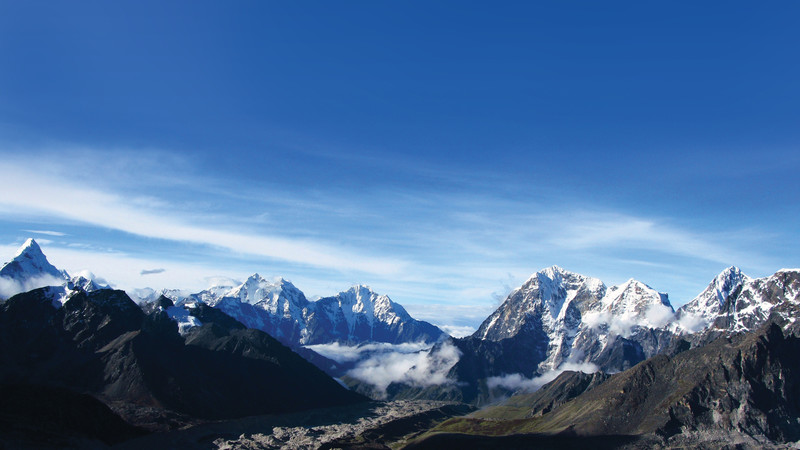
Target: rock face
102 343
735 302
559 316
355 316
561 320
361 315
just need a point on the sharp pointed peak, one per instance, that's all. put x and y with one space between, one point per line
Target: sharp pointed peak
547 272
554 269
255 276
280 281
730 271
30 246
729 276
360 288
635 282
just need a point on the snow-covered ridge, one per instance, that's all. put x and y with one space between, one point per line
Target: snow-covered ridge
572 317
559 294
735 302
279 308
276 306
567 318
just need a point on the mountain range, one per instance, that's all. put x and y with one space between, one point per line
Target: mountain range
555 319
279 308
717 363
558 320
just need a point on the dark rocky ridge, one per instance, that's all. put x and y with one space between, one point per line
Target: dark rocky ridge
103 344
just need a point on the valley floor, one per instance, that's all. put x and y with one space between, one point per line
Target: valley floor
367 425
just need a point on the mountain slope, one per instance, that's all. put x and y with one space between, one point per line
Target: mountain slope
29 269
747 385
735 302
104 344
361 315
356 316
570 318
29 262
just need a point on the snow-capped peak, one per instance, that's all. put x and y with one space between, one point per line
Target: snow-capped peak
30 262
87 282
256 290
633 295
727 282
30 247
711 304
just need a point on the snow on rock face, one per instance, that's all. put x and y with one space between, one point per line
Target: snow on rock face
87 282
30 261
361 315
183 317
631 304
735 302
29 269
572 318
553 296
704 309
354 316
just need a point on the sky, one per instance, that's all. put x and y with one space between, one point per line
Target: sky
439 152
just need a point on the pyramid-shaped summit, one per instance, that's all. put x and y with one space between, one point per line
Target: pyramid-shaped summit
29 262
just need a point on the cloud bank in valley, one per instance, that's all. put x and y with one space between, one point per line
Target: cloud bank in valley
421 368
10 287
517 382
349 353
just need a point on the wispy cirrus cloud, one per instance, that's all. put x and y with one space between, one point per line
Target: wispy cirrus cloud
46 232
441 252
48 196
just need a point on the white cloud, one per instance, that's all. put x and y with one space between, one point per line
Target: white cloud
50 196
348 353
691 323
89 275
655 316
659 315
10 287
440 254
47 232
621 324
517 382
221 281
123 271
424 368
151 271
620 231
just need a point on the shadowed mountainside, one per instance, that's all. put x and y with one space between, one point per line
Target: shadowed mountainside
103 344
746 385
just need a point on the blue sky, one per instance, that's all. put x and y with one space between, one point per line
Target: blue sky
440 153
